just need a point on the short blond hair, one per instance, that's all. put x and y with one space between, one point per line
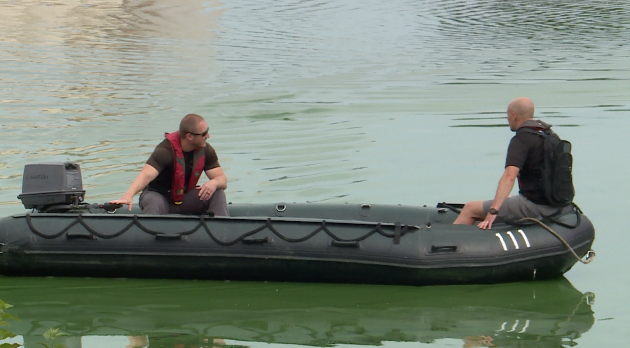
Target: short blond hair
188 124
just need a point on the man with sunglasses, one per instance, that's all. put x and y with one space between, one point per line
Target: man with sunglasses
168 179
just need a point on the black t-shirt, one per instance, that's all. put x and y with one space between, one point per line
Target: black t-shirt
526 152
162 160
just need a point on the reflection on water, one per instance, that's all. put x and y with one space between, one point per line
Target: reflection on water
167 313
106 24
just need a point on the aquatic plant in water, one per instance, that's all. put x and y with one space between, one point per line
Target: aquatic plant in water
51 335
4 333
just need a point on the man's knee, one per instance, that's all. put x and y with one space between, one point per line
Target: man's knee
153 203
474 209
218 204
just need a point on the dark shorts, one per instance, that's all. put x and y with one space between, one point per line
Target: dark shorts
517 207
153 202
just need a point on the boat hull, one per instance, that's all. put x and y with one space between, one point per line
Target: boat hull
351 243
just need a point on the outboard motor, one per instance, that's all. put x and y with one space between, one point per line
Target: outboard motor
52 186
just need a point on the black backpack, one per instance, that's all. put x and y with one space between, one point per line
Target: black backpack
557 166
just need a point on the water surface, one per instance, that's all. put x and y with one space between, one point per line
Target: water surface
327 101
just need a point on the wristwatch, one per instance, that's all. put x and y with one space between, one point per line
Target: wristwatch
493 211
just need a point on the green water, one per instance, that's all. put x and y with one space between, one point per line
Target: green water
321 101
166 313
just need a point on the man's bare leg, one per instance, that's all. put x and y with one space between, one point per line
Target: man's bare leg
472 211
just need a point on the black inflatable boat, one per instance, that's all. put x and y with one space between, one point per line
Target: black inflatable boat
354 243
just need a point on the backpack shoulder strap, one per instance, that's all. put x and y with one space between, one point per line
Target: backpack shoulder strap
537 131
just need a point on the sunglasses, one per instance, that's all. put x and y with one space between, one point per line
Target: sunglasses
202 134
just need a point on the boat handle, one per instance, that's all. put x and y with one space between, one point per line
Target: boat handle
168 237
443 248
345 244
255 240
80 236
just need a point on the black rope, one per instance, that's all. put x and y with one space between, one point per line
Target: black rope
235 241
268 224
79 221
56 235
590 255
100 235
397 231
578 216
552 218
155 233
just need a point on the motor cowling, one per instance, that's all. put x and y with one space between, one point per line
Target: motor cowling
48 184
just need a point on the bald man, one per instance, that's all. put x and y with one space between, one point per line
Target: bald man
524 161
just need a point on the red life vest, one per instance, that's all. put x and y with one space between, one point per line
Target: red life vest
179 165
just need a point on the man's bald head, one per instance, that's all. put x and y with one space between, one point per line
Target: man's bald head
518 111
523 108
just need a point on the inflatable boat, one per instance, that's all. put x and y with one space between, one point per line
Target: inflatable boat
353 243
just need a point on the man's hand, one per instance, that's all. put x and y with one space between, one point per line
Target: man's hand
124 200
146 175
207 190
486 224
